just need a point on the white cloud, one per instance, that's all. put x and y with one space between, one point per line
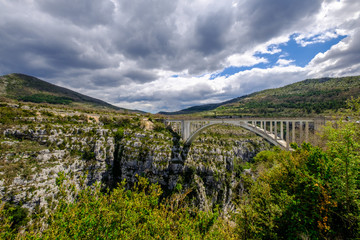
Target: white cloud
341 60
284 62
244 60
323 37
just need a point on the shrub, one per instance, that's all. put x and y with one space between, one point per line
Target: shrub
130 214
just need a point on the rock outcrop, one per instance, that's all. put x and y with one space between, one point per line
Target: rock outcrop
211 168
34 155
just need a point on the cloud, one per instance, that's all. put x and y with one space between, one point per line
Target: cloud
321 38
182 92
245 60
265 20
284 62
342 59
126 52
211 31
79 12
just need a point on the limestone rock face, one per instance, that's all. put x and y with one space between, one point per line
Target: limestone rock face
29 176
210 168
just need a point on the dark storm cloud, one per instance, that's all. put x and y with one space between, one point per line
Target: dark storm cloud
261 20
38 44
79 12
140 76
144 32
148 32
117 78
211 31
197 92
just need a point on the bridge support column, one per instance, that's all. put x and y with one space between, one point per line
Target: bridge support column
287 136
293 131
275 130
271 126
306 131
261 124
182 130
264 126
301 132
185 127
281 129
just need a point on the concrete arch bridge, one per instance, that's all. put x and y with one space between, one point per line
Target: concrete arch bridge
278 131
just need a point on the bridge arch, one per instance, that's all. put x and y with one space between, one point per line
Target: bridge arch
244 125
278 131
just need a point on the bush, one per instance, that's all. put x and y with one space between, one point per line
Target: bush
14 214
130 214
88 155
119 134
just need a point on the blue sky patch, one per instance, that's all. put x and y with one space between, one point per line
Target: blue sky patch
290 50
232 70
301 55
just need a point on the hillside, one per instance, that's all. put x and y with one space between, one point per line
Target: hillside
306 98
31 89
42 146
56 162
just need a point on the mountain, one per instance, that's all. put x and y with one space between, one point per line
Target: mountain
26 88
305 98
201 108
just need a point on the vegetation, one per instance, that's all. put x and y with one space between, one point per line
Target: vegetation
309 193
46 98
10 115
125 214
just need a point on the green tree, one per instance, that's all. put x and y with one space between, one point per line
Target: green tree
310 192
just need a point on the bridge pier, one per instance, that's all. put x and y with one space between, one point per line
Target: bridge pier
301 131
287 136
306 131
293 131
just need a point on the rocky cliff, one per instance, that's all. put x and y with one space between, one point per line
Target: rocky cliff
39 145
212 168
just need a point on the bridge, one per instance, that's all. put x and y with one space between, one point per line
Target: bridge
280 131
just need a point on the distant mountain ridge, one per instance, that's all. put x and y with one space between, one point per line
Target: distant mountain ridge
201 108
304 98
31 89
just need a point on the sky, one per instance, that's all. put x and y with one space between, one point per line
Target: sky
167 55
